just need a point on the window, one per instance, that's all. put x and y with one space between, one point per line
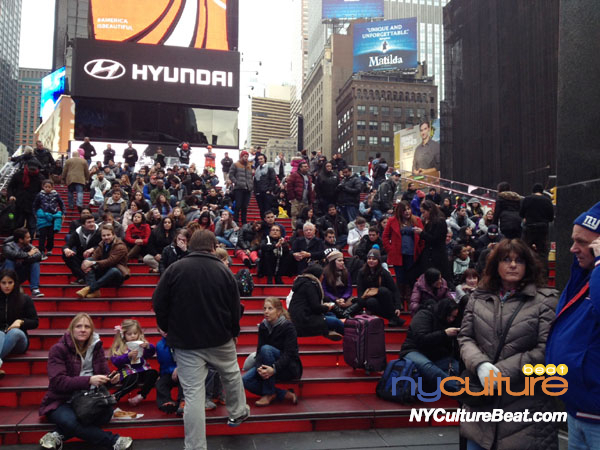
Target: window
373 140
397 126
373 126
385 126
397 112
410 112
361 125
385 140
385 110
361 109
361 140
374 110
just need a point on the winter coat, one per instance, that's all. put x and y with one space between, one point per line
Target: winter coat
116 257
306 307
158 241
295 187
365 245
268 182
384 199
51 202
130 156
24 195
241 176
423 297
284 338
109 155
88 149
434 250
392 241
49 220
226 164
338 164
315 247
354 237
338 223
134 232
75 170
506 214
170 254
193 316
325 187
483 323
575 341
456 224
13 251
348 191
44 157
332 293
246 237
64 367
426 335
9 312
164 355
79 243
363 283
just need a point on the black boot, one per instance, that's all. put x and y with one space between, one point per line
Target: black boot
338 311
278 280
352 310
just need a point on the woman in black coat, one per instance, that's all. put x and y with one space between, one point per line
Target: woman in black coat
326 187
309 314
175 251
434 236
17 315
162 236
277 357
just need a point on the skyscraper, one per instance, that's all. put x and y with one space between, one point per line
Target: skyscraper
28 105
10 24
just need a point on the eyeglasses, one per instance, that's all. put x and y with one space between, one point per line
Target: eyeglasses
517 261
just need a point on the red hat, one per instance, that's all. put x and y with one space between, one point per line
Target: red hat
185 146
209 147
420 193
242 153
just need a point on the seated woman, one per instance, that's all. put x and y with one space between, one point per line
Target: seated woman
163 205
431 343
205 221
277 357
19 316
225 228
248 244
357 233
309 314
161 237
469 282
429 288
76 363
137 236
175 251
275 257
153 218
337 283
383 303
178 217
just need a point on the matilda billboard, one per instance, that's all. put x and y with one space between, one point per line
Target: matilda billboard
385 45
352 9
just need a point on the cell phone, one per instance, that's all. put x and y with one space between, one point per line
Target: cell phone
112 374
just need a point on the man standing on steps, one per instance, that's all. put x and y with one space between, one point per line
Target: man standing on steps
75 175
226 164
89 150
130 155
299 190
198 305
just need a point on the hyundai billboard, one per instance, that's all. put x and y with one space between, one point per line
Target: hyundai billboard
385 45
208 24
352 9
53 86
126 71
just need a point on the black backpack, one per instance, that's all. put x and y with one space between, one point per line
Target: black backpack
245 282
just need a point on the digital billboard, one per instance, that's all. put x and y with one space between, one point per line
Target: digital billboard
352 9
127 71
385 45
53 86
209 24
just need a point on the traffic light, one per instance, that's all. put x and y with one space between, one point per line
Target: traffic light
553 195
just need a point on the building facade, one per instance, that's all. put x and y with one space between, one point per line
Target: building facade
499 118
71 21
28 105
371 108
270 119
10 24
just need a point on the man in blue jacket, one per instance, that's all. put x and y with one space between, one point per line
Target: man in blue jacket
574 338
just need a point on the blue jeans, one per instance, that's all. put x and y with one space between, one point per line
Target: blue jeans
268 355
583 435
13 341
472 445
29 272
75 187
431 370
222 240
112 277
333 323
377 214
68 426
349 212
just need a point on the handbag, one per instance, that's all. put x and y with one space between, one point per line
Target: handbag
472 378
93 405
372 291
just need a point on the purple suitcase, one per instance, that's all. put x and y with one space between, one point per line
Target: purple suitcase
364 343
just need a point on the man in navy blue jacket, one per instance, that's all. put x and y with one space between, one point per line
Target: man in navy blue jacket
574 338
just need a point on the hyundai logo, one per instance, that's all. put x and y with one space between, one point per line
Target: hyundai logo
104 69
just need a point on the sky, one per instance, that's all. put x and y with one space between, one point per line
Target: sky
265 41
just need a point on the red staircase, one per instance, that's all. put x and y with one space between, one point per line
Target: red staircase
332 396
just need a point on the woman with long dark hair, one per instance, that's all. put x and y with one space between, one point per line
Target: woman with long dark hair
17 315
434 237
175 251
160 237
337 283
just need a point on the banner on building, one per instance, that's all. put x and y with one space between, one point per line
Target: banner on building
410 143
385 45
352 9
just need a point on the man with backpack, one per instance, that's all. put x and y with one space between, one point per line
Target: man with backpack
384 199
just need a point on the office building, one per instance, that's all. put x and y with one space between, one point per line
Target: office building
28 105
270 116
10 24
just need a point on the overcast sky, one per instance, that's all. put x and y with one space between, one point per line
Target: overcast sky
265 36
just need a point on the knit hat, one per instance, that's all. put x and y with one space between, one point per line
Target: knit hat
374 253
590 219
333 255
242 153
420 193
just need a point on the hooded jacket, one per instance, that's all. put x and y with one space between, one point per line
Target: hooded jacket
241 176
506 214
306 307
50 203
349 191
325 186
423 297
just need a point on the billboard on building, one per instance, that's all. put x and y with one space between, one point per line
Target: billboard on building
126 71
53 86
352 9
415 153
208 24
385 45
57 130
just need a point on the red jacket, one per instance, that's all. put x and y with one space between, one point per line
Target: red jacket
295 186
392 241
134 232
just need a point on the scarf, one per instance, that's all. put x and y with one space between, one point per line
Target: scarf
271 326
26 179
261 171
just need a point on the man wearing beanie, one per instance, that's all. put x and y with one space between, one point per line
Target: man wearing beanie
574 338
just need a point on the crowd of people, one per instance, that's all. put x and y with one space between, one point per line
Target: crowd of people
461 268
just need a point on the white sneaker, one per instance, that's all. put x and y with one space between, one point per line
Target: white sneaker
123 443
53 441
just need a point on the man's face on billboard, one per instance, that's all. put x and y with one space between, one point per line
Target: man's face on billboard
424 130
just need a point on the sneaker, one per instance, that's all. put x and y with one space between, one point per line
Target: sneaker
181 408
52 441
238 421
123 443
134 401
36 293
209 405
44 256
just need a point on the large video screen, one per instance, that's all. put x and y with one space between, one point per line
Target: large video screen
385 45
209 24
53 86
352 9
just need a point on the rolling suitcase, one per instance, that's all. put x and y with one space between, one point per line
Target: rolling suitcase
364 343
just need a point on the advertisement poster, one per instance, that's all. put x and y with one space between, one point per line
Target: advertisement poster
53 86
409 143
405 142
352 9
385 45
